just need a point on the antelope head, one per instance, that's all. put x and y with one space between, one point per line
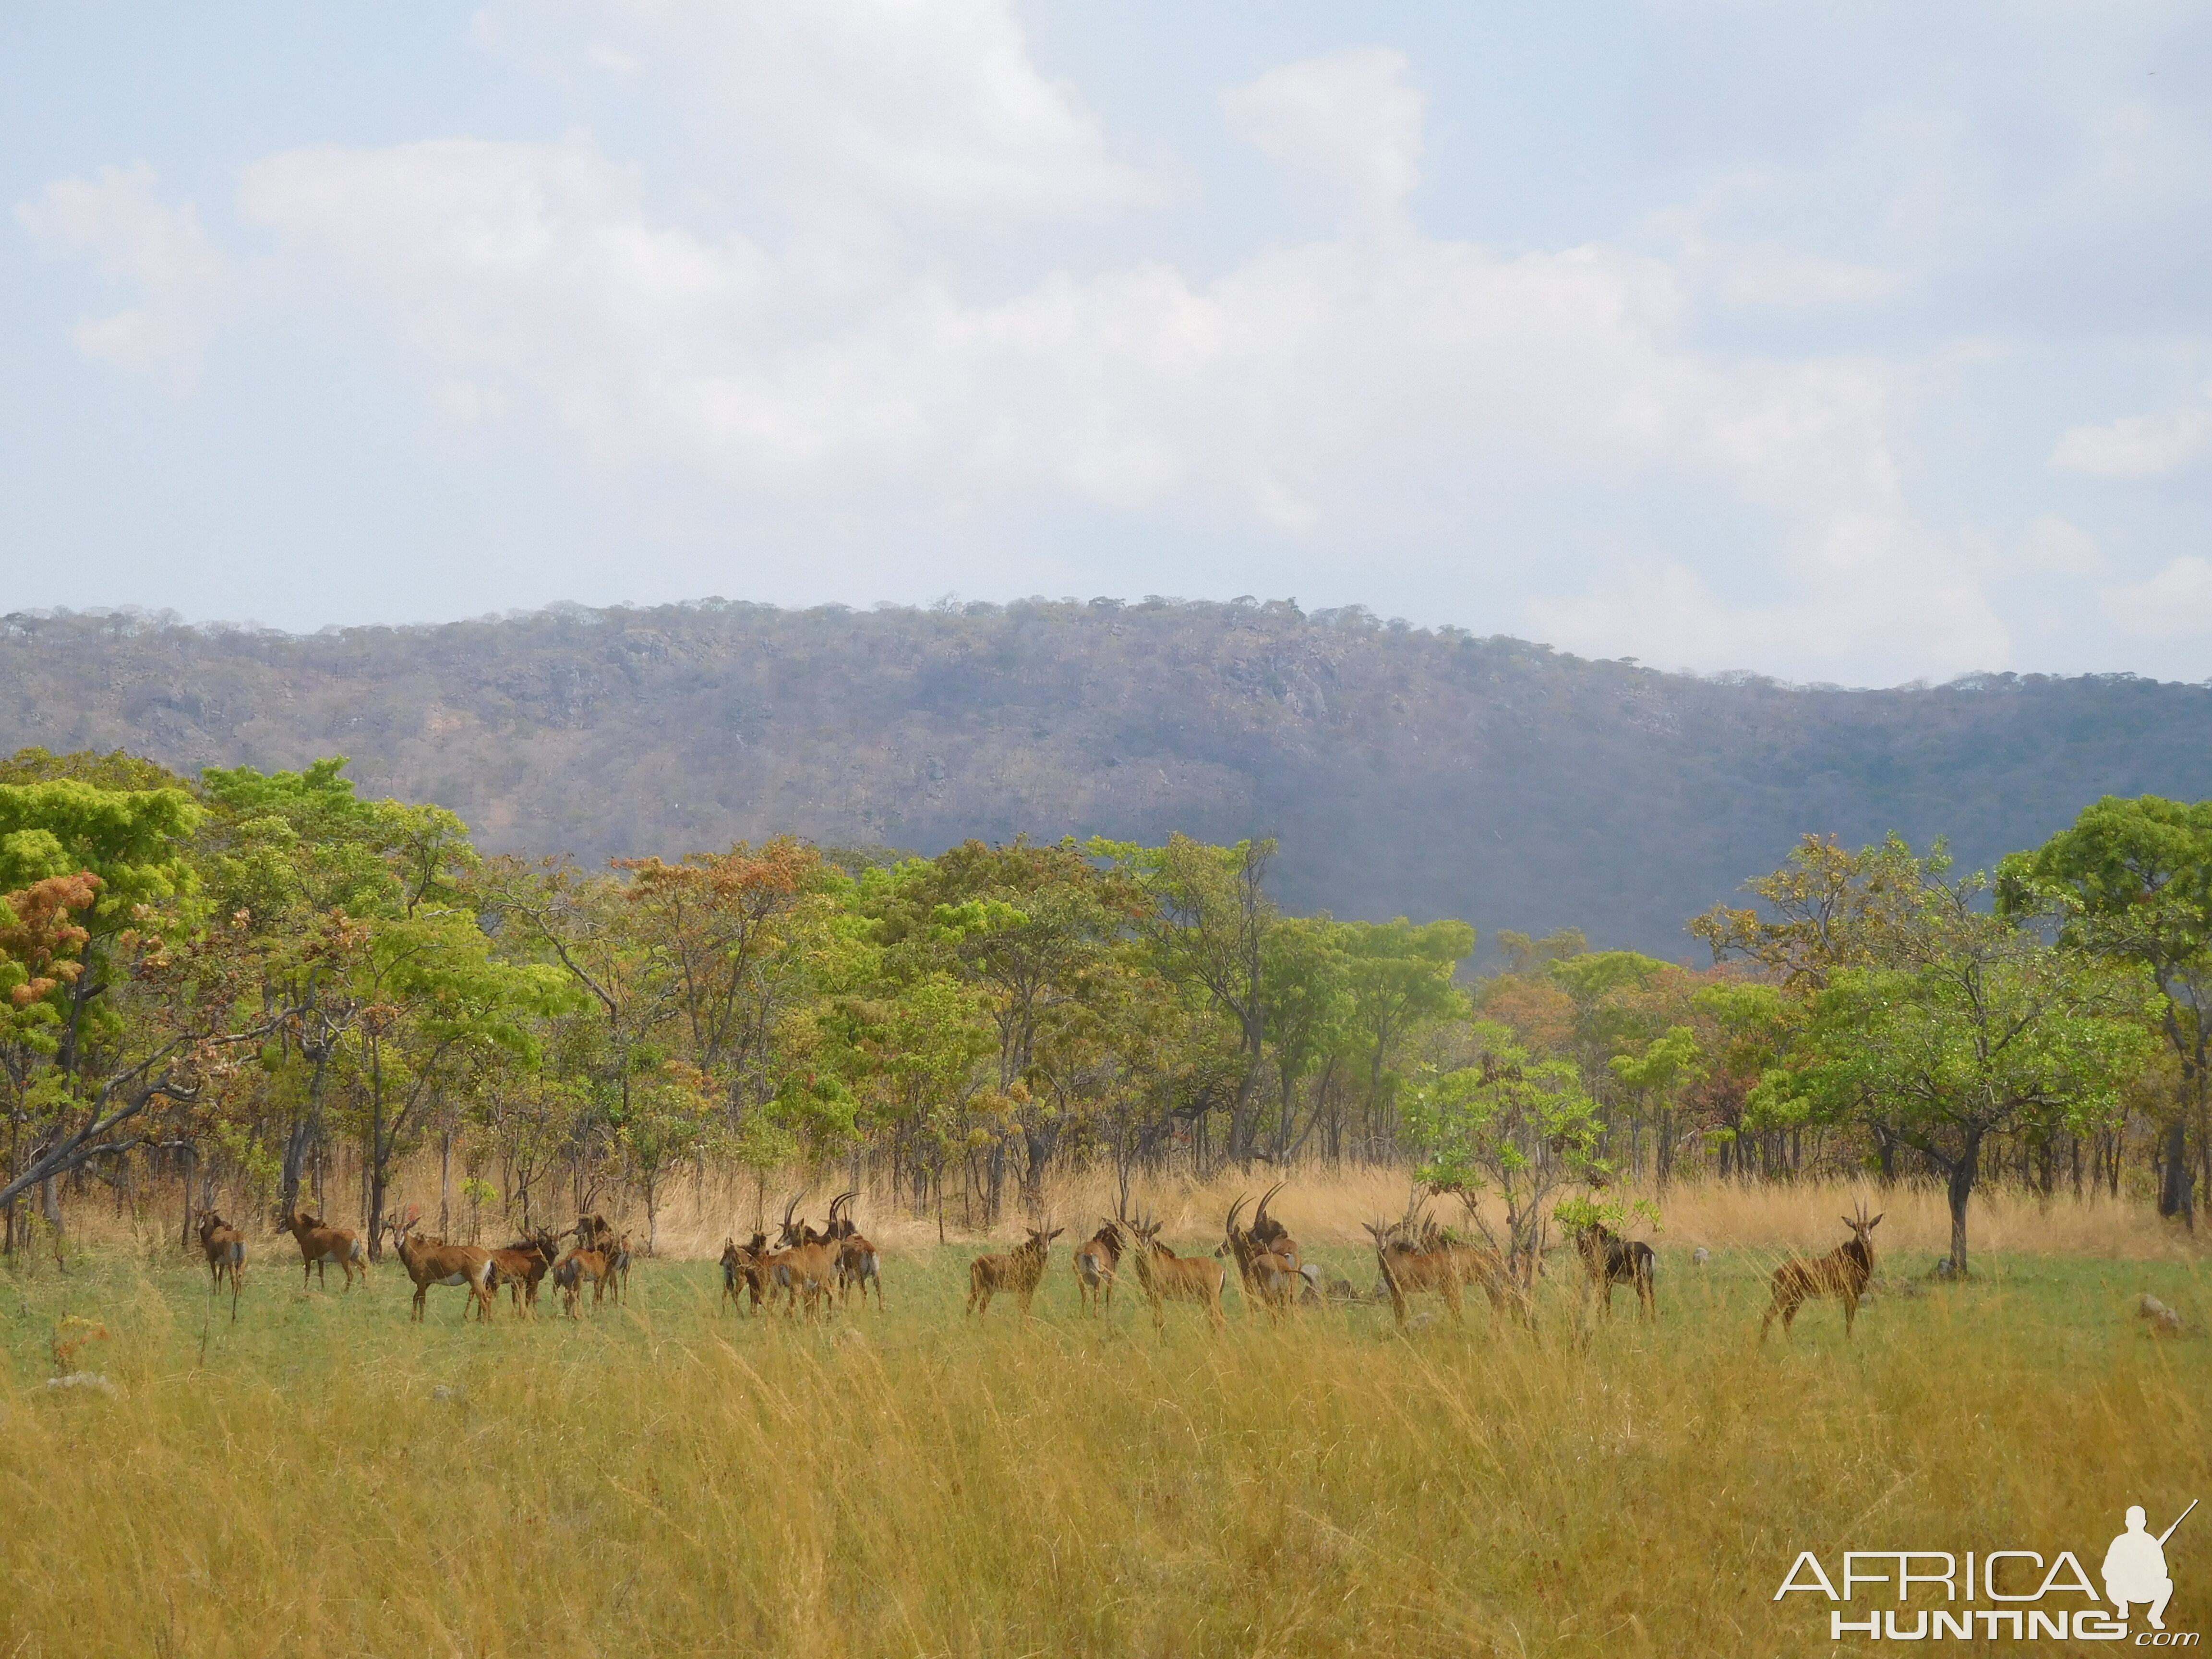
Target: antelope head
1265 1230
1861 1226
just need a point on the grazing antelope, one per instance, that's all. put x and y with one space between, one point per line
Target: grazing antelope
573 1268
429 1264
804 1264
226 1255
320 1247
1843 1273
744 1266
1017 1271
1609 1259
1096 1260
522 1265
1166 1277
1267 1257
859 1261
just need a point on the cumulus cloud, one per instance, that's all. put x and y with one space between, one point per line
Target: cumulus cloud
2140 447
2176 601
117 220
1386 393
927 105
1346 126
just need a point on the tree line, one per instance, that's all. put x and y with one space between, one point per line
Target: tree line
266 982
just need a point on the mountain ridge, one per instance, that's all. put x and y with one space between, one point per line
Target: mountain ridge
1417 771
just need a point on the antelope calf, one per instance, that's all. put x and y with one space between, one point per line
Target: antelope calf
1165 1277
321 1247
1096 1260
744 1268
429 1264
1842 1273
1609 1259
226 1255
573 1268
619 1259
1017 1271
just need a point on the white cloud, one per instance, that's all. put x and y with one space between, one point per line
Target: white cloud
932 106
2176 601
1345 125
116 221
1388 393
2140 447
2061 548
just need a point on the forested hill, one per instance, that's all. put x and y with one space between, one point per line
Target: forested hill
1404 771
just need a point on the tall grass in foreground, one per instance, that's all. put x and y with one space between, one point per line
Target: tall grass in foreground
327 1478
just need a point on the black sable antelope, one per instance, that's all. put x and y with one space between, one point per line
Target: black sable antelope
1609 1259
1842 1273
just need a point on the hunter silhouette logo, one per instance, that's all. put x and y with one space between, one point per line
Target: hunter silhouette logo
2033 1600
2135 1567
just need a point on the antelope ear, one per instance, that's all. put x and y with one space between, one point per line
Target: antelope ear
1877 1221
1850 1221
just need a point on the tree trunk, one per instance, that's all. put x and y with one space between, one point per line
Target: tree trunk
2177 1184
1958 1188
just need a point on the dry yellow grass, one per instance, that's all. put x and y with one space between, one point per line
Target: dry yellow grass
667 1479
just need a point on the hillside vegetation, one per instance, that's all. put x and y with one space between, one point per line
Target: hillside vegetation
1404 771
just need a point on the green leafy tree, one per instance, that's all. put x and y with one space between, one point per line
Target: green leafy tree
1512 1124
1975 1028
2131 882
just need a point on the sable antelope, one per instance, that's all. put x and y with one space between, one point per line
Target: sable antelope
226 1254
1017 1271
321 1246
1843 1273
429 1264
619 1259
859 1261
1267 1256
573 1268
1408 1270
522 1265
804 1264
1609 1259
1166 1277
1096 1260
593 1232
744 1266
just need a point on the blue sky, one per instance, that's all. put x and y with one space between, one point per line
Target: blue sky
1853 342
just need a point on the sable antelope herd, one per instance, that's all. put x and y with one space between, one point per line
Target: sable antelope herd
815 1269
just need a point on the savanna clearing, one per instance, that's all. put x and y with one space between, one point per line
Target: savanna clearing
667 1477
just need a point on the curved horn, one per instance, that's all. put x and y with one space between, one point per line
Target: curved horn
1228 1222
1259 1216
791 1207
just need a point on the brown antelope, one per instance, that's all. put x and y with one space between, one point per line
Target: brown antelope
744 1266
320 1247
859 1261
1417 1261
1017 1272
593 1232
522 1265
1165 1277
1842 1273
1609 1259
573 1268
226 1255
1096 1260
804 1264
619 1259
429 1264
1266 1261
